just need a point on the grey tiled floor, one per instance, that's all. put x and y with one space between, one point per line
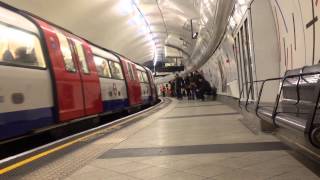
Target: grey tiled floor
163 132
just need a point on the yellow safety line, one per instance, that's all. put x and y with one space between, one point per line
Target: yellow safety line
45 153
38 156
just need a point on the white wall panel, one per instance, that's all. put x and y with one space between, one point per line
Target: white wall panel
298 35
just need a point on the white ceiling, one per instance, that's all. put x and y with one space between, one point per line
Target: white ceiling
138 29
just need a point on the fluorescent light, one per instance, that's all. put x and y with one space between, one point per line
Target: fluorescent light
195 35
139 20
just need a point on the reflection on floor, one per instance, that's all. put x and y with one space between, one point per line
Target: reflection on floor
192 140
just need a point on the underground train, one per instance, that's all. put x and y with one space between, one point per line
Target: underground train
49 75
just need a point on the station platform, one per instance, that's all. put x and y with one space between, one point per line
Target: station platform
187 140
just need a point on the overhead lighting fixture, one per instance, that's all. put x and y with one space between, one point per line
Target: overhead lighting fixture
155 59
194 35
131 9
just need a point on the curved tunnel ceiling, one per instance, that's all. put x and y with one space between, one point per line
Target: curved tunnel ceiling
142 30
138 29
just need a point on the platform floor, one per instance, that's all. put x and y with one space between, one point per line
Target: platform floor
193 140
187 140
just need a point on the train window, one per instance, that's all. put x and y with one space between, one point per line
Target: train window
116 70
20 48
130 71
102 66
140 76
145 77
82 57
66 52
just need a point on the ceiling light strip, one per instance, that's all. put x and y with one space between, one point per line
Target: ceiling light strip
148 25
165 25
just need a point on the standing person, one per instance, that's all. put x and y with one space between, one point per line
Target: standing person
204 87
192 86
167 89
187 86
197 77
178 86
163 90
173 88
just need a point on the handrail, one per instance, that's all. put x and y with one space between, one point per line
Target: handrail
297 87
309 124
298 91
248 93
248 96
261 89
242 92
281 88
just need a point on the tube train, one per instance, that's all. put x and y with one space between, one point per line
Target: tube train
49 75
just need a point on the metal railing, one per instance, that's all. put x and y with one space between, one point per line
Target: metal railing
309 130
248 94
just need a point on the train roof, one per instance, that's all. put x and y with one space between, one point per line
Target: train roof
141 68
9 17
103 53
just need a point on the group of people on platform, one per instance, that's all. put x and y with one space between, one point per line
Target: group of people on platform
194 86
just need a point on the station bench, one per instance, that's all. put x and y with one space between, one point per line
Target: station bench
296 104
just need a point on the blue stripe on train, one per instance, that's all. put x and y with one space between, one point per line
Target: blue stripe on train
147 100
20 122
150 99
113 105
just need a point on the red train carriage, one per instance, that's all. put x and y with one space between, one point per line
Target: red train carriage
154 94
48 75
144 84
133 84
76 80
112 82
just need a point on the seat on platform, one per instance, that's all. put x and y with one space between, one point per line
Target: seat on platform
298 99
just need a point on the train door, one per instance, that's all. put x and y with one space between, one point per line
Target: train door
128 81
67 80
144 85
137 86
134 91
89 77
152 86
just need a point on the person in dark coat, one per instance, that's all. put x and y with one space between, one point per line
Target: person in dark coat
197 77
178 86
192 86
163 90
22 57
173 88
204 87
187 87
